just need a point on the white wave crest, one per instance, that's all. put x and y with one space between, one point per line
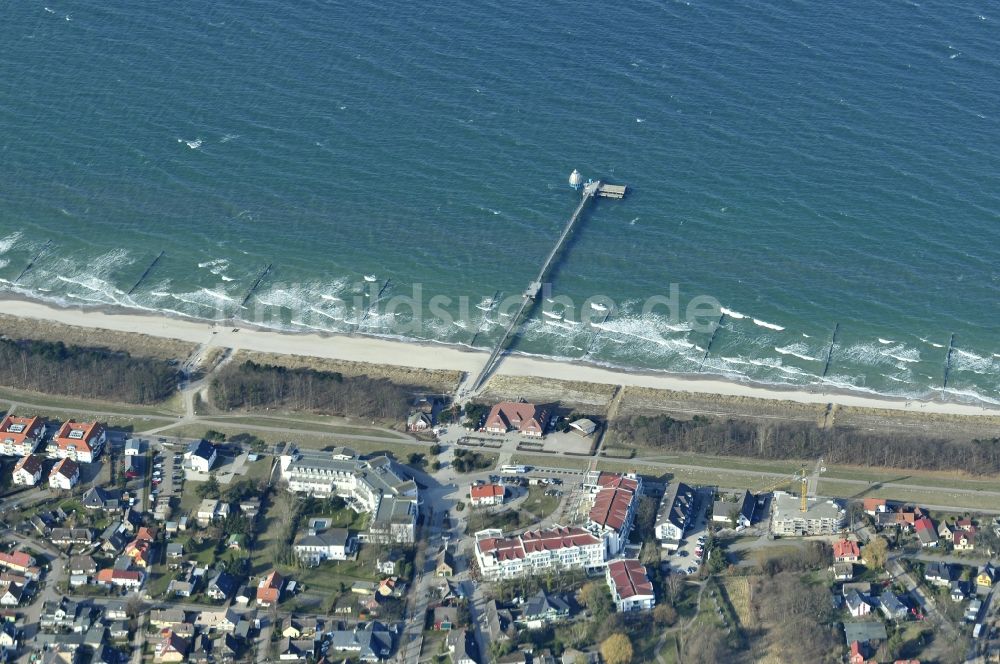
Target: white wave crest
770 326
796 350
731 313
8 242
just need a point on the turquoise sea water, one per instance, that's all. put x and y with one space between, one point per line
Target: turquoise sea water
805 164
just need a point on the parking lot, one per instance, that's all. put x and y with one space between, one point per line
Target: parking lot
687 559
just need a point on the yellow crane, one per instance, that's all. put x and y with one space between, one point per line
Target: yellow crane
803 479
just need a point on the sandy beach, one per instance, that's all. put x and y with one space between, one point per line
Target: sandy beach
441 357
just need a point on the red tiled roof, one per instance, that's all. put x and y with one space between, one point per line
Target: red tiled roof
16 559
871 504
515 415
846 548
630 579
481 491
611 504
502 548
923 523
91 431
554 539
27 426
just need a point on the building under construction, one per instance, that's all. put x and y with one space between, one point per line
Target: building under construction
821 516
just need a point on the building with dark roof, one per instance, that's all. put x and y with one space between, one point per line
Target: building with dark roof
674 515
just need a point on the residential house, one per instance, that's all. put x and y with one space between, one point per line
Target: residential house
972 611
175 551
891 606
222 586
484 495
867 633
171 648
128 579
926 533
445 617
939 574
499 622
846 551
97 498
525 418
389 564
12 593
843 571
873 506
20 436
298 627
18 561
459 647
674 515
200 456
541 609
167 617
218 621
857 604
236 542
64 475
296 650
332 544
986 575
116 609
139 551
82 565
71 536
211 509
738 514
370 642
133 447
958 591
27 471
630 587
250 507
964 540
269 589
418 422
80 441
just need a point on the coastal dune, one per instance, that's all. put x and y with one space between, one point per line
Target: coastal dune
436 357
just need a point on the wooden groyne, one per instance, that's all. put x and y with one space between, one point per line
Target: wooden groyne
708 348
829 351
34 260
256 284
947 362
374 303
145 274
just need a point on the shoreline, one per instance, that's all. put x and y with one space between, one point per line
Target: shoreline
419 354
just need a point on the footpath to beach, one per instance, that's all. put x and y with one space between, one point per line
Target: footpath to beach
355 348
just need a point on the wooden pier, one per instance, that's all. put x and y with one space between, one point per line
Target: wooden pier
590 191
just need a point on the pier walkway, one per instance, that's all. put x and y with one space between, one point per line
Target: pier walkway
590 191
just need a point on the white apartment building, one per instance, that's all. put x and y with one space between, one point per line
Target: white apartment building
537 551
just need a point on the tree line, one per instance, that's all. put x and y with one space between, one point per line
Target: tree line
251 385
53 367
804 440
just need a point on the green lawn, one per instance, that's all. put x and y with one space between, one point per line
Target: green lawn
538 503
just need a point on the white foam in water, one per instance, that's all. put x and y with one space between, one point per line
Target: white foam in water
885 341
796 350
770 326
731 313
963 360
7 243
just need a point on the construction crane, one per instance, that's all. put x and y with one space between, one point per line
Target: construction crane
805 490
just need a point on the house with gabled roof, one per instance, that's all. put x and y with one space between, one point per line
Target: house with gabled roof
27 471
926 533
846 551
525 418
80 441
200 456
630 586
481 495
65 474
171 648
269 589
